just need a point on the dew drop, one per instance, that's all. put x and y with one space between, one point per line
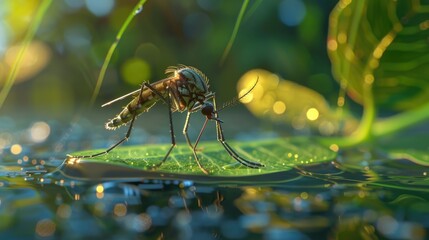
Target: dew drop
138 10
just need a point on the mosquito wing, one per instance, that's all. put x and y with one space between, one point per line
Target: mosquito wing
159 82
120 98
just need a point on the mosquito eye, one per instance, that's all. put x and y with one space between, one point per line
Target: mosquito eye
207 109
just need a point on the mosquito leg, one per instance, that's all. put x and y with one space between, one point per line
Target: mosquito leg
127 136
228 148
185 130
173 138
201 133
193 148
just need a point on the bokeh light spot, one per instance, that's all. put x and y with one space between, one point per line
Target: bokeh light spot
279 107
292 12
99 191
16 149
340 101
424 25
327 128
39 131
45 228
342 37
64 211
140 223
334 147
387 225
100 8
369 79
332 45
312 114
120 210
34 59
135 71
99 188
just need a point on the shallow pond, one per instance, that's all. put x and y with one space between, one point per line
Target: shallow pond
359 195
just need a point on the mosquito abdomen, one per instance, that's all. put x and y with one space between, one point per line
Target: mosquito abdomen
122 118
133 108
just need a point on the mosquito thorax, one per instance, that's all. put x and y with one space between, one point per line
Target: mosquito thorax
195 77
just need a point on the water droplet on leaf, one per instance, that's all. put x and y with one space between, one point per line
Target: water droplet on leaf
138 10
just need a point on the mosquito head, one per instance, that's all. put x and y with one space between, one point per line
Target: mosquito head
207 109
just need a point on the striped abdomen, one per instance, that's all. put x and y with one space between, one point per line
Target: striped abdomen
147 100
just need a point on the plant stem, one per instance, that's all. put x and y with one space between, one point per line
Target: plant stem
364 131
382 127
401 121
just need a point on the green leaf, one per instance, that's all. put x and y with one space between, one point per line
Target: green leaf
382 44
278 155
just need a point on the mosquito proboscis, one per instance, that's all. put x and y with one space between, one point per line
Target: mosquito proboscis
185 89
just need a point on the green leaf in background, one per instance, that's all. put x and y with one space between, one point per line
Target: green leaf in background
381 46
278 155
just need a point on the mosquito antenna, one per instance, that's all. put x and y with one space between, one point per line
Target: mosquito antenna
235 100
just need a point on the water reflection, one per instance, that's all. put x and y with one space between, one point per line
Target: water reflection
329 201
360 195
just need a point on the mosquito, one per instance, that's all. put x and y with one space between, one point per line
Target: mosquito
185 89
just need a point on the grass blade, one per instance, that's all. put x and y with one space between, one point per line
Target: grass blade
235 31
136 10
26 42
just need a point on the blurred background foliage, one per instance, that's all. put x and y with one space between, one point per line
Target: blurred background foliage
60 67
